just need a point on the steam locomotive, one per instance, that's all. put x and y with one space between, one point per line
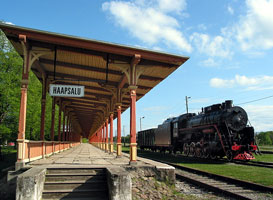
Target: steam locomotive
217 131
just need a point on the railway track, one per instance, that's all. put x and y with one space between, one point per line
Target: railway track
267 152
230 187
249 163
255 163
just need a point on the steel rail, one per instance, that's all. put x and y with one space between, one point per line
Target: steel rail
214 177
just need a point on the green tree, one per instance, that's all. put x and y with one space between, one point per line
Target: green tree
265 138
10 70
10 83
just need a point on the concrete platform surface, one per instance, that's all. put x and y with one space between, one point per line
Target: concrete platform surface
87 155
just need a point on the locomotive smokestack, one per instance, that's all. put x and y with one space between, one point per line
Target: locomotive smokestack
228 104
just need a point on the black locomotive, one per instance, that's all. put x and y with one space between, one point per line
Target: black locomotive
219 130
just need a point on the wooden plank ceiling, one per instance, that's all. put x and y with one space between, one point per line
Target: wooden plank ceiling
96 65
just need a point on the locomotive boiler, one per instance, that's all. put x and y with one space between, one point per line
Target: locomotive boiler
218 130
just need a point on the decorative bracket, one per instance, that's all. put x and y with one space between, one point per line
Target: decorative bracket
30 55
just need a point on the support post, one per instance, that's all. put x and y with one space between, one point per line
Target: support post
22 127
63 125
133 144
103 137
23 106
66 128
119 147
111 134
106 137
101 140
53 119
60 121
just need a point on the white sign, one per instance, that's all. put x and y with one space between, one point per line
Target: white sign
66 90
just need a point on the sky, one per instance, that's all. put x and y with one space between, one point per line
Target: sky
229 42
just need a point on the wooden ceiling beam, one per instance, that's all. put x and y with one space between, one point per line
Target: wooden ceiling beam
95 69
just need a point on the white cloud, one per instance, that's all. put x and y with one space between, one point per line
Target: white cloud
150 21
230 10
255 30
217 46
251 83
260 116
221 83
8 23
210 62
172 5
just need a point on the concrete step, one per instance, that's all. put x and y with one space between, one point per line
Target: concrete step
78 181
73 183
63 178
65 171
79 195
94 186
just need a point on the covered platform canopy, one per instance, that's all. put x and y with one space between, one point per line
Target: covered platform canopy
111 73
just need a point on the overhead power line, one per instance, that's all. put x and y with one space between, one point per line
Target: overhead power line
256 100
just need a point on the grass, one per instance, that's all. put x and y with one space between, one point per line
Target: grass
266 148
258 175
264 158
9 158
125 149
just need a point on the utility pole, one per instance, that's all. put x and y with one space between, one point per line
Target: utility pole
140 122
187 108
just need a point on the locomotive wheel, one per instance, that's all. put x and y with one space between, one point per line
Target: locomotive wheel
206 153
186 149
213 156
229 155
192 149
198 150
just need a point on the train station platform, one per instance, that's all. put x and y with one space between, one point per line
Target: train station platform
91 156
86 171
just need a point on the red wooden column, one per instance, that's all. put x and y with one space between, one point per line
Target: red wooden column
67 129
104 127
111 133
23 111
106 141
63 125
134 74
100 138
53 119
103 137
71 130
133 144
60 121
119 147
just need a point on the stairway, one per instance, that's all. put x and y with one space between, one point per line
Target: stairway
75 183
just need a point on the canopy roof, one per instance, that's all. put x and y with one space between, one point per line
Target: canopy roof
95 64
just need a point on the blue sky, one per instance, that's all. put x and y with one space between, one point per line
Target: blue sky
229 42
